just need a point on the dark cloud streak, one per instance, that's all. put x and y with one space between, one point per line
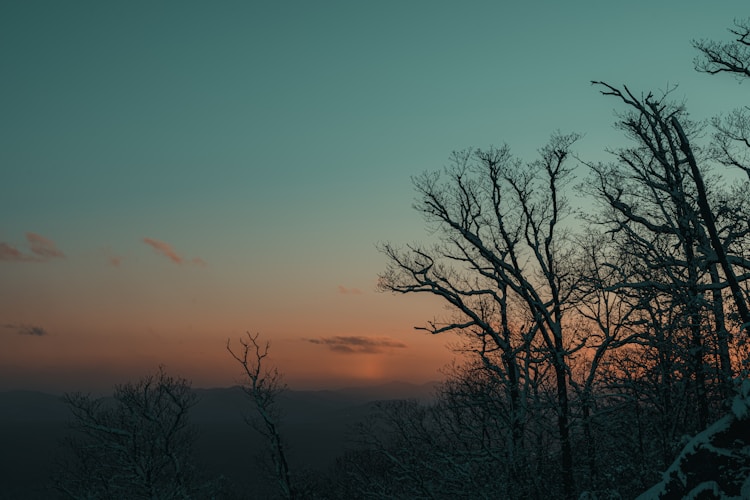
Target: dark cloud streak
355 344
29 330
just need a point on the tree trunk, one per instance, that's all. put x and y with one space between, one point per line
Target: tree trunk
563 425
713 234
722 336
588 436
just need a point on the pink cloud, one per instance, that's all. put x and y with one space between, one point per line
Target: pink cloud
11 253
170 253
42 246
42 249
164 249
353 291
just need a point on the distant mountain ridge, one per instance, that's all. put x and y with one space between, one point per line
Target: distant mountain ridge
27 405
316 424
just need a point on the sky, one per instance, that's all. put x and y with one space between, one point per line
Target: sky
176 174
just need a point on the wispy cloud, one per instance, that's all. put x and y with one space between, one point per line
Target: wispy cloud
30 330
166 250
349 291
358 344
42 249
10 253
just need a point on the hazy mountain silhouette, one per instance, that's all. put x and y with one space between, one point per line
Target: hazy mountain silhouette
316 425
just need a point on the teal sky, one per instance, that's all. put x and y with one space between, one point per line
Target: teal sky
270 145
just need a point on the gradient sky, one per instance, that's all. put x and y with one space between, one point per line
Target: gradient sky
173 174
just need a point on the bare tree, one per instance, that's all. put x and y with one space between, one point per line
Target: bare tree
264 385
731 145
684 241
715 462
726 57
136 445
502 243
659 208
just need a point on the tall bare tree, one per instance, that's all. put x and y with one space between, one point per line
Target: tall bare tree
731 144
263 385
715 462
658 207
502 244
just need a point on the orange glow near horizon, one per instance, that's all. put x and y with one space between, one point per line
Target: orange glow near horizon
345 339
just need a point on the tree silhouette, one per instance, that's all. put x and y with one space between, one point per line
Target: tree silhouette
138 444
631 332
263 386
502 246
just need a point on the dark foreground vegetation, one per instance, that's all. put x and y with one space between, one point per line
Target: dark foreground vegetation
605 348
